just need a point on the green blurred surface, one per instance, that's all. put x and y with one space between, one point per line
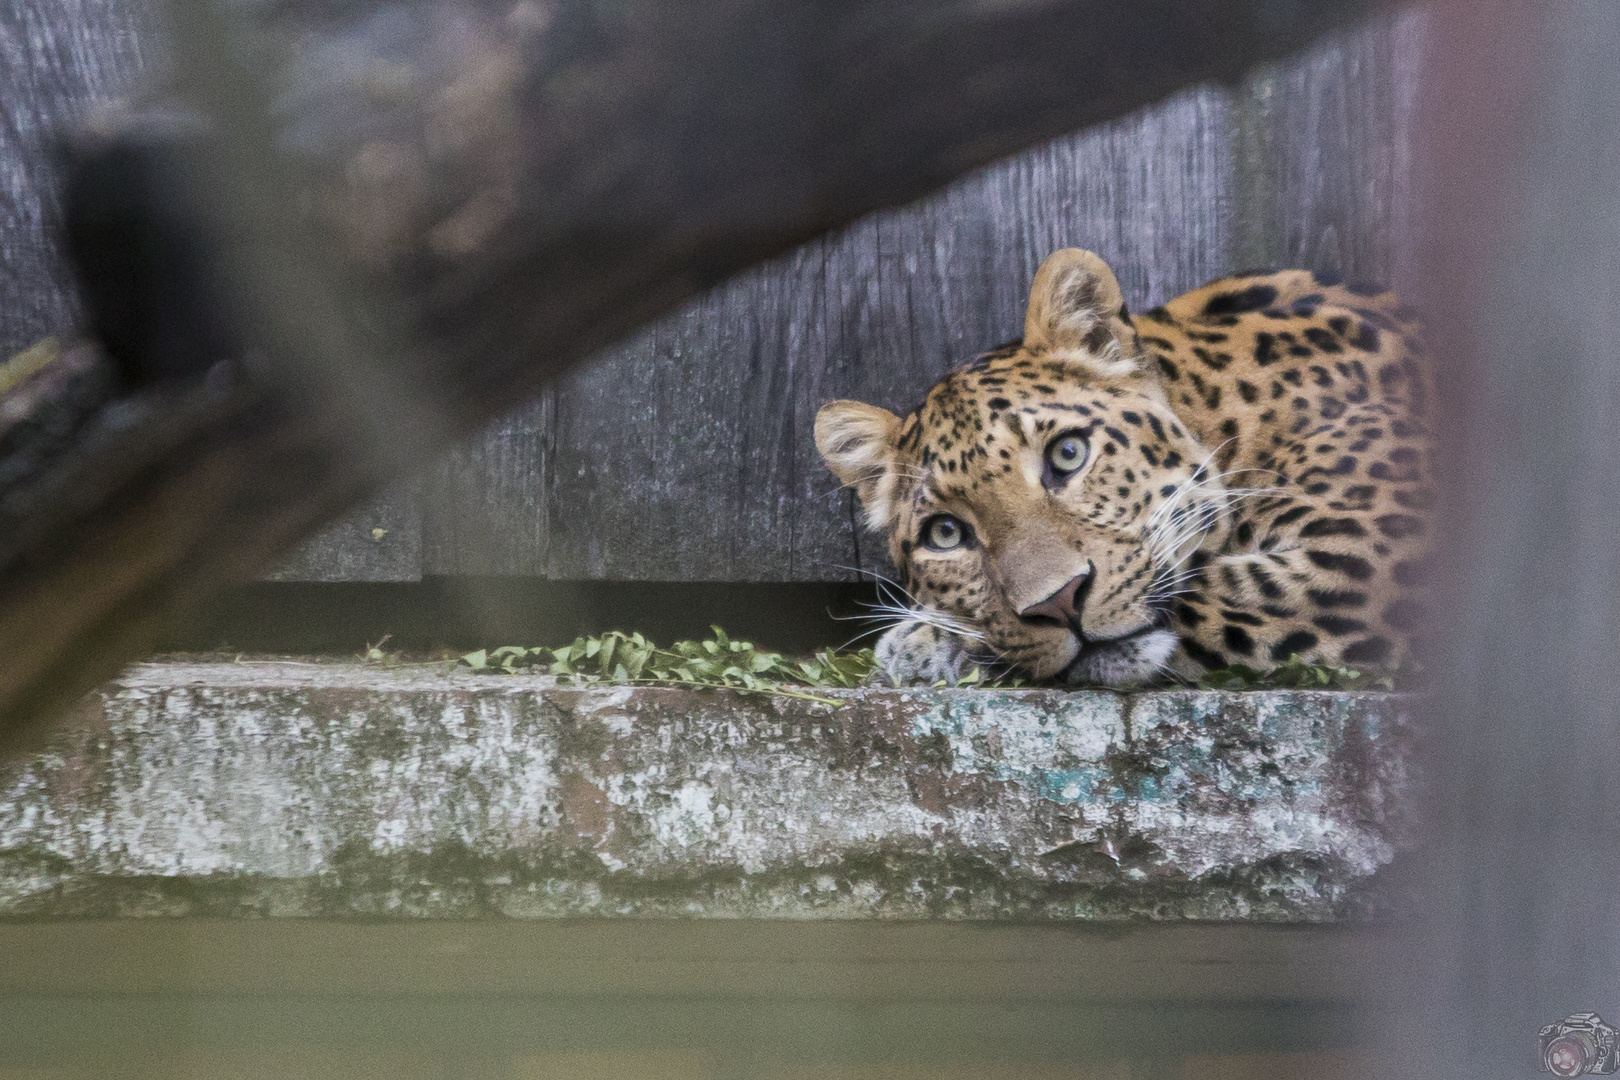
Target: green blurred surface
594 1000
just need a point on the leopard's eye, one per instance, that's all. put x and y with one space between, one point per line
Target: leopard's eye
1066 453
944 533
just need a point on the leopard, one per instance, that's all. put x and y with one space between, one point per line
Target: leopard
1241 476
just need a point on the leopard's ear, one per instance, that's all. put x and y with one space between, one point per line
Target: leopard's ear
1076 310
857 441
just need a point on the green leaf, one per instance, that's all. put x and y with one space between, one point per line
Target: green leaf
725 661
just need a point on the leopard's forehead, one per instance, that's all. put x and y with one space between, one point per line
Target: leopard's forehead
972 423
967 403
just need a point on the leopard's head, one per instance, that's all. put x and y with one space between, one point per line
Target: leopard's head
1045 499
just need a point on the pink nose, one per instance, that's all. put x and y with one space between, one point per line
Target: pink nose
1062 606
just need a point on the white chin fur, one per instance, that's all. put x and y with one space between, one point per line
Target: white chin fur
1126 663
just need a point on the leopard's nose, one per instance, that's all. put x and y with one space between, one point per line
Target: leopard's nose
1063 606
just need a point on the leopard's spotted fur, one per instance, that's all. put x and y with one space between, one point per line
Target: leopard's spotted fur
1254 484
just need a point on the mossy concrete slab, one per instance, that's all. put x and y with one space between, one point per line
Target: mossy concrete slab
346 790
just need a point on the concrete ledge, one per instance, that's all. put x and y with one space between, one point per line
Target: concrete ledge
341 790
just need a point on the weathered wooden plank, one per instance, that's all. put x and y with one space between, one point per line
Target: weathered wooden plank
647 465
686 471
1145 192
1322 141
485 509
58 58
381 541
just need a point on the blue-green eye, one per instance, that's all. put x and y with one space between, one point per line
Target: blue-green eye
1066 453
944 533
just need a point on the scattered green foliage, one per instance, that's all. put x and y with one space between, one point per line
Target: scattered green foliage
374 653
724 662
720 662
982 678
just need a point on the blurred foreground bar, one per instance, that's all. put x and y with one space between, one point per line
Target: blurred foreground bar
684 999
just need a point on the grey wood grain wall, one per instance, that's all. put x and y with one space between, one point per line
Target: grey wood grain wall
58 59
685 453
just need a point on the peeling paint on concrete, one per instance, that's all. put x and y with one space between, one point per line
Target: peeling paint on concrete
343 790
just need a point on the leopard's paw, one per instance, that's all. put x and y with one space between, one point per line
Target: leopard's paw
916 653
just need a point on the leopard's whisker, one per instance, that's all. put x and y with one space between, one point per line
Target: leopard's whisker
891 607
862 634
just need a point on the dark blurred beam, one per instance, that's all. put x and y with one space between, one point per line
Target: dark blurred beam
490 193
